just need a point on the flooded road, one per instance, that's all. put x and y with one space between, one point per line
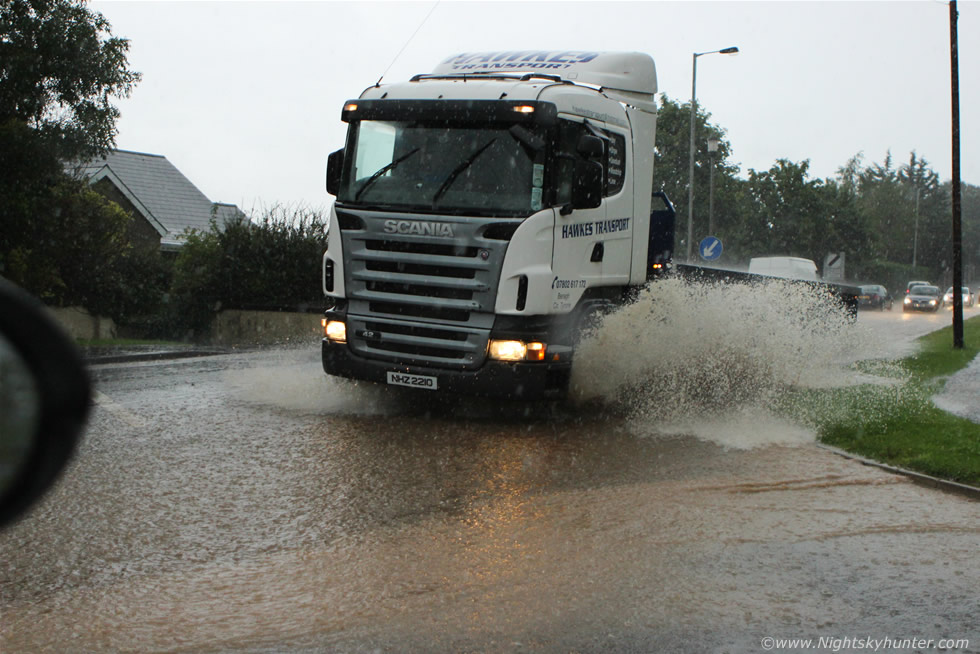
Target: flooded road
247 503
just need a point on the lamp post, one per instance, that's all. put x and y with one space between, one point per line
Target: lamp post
915 235
712 148
690 181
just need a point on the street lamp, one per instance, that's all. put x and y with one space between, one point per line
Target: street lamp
690 181
915 237
712 148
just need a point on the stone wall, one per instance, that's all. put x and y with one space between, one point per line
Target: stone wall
80 324
234 327
229 328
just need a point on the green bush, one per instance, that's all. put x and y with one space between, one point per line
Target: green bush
72 249
270 263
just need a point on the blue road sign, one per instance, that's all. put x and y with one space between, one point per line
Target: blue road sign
710 248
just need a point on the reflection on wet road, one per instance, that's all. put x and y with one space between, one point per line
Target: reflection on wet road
247 503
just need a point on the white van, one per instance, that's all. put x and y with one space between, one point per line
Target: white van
786 267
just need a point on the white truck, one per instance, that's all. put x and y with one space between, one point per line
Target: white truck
485 214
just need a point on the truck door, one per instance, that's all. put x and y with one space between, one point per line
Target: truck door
576 262
592 246
616 232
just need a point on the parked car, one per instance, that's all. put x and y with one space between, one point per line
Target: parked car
908 287
968 297
874 296
923 298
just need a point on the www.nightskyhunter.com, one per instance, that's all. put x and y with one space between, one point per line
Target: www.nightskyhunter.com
834 644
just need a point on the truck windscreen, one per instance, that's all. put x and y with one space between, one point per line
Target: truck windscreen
445 168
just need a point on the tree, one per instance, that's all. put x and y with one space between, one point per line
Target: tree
84 257
929 211
782 210
848 228
671 168
971 231
60 68
907 214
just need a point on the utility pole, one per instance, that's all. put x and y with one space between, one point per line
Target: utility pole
957 208
712 149
915 236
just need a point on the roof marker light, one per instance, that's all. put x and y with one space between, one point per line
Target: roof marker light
524 109
351 107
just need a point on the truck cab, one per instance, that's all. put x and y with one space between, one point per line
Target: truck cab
484 214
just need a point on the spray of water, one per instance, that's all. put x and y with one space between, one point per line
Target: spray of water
712 359
300 386
718 361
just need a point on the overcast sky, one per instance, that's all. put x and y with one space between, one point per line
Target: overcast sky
245 97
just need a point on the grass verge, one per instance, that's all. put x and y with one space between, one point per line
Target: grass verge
899 424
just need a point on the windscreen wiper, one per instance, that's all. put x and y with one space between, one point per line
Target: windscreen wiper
381 171
459 169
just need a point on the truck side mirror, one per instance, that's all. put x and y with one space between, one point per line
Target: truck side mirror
587 185
335 166
590 147
587 188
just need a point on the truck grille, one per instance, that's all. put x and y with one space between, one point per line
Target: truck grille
436 249
421 299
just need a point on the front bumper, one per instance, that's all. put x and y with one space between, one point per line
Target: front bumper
498 379
921 306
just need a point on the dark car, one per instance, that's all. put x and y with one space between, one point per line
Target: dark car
874 296
923 298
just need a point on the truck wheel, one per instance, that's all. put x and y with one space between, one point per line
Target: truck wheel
589 320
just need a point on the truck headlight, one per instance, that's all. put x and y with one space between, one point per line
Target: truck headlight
335 330
507 350
517 351
908 300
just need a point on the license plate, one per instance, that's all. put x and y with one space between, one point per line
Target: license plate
413 381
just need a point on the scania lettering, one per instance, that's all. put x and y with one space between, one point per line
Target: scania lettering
417 227
485 214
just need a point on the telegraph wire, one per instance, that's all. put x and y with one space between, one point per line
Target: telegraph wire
424 20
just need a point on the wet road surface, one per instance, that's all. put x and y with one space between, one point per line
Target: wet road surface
247 503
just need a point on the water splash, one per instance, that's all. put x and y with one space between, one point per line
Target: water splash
718 361
693 357
301 387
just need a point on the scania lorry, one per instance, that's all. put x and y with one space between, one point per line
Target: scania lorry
486 214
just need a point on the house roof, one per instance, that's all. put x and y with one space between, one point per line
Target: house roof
162 194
